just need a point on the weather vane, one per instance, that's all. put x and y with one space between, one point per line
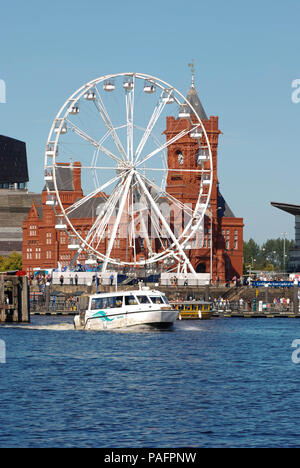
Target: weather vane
192 67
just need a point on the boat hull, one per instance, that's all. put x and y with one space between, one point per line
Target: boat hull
105 321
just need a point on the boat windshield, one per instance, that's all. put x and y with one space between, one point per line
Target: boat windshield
156 299
106 302
165 300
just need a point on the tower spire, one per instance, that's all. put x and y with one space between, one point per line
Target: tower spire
192 95
192 67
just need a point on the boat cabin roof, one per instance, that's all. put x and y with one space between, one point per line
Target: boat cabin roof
137 292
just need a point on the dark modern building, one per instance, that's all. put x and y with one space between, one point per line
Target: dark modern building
13 163
15 200
294 263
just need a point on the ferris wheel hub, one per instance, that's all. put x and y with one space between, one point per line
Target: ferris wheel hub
124 167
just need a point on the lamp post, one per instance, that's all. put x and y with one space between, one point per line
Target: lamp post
284 237
250 267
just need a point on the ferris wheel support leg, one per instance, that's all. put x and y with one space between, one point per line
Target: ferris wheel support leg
74 259
116 225
166 225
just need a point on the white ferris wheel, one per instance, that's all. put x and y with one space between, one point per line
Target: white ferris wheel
114 127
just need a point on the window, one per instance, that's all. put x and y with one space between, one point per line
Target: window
48 238
235 242
107 302
32 230
165 300
38 252
227 240
119 301
143 299
130 300
157 300
29 253
48 254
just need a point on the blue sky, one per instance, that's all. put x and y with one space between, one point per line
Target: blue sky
246 57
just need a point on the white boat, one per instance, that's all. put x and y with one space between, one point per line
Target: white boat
122 309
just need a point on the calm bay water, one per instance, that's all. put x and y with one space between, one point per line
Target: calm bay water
217 383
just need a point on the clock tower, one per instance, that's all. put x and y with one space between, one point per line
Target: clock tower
222 250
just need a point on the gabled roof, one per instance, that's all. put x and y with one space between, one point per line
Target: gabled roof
89 209
36 211
224 210
64 179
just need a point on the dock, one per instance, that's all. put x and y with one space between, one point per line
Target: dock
14 299
254 314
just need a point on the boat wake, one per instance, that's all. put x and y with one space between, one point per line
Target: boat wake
50 327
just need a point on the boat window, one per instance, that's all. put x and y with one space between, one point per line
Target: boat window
107 302
130 300
143 299
97 303
165 300
119 301
111 302
156 300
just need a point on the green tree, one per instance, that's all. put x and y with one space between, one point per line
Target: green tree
251 252
276 252
273 255
11 262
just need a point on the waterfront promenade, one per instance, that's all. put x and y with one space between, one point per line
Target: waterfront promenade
243 301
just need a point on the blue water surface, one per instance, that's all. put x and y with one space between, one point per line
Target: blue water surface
217 383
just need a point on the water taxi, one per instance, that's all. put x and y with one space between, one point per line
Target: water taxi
193 310
122 309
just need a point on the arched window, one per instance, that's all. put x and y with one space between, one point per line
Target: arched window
201 268
180 157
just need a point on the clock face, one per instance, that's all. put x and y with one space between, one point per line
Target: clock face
180 158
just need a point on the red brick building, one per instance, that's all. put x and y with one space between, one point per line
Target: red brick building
222 251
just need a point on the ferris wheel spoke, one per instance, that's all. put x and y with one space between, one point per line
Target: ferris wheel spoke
182 206
151 124
156 225
145 226
108 123
118 219
129 98
99 226
83 200
133 236
164 223
74 128
200 171
168 143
